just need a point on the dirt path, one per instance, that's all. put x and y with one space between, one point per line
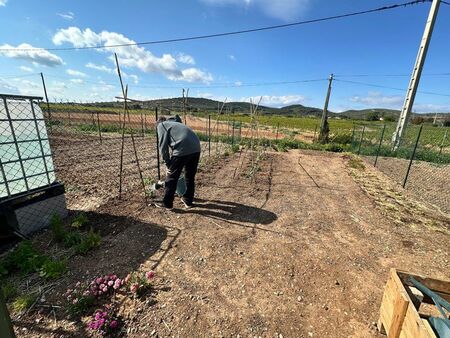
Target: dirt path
302 252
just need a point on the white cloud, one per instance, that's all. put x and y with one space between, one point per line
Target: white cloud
26 69
39 56
431 108
75 73
378 100
8 88
280 9
277 101
67 16
77 81
101 68
232 57
3 2
185 58
131 56
192 75
135 78
238 83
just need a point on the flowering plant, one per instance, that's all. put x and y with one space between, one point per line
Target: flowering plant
105 285
79 299
138 282
104 321
82 296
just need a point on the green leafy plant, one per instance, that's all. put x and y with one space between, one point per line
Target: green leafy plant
72 238
80 221
25 258
90 241
9 291
57 228
23 302
53 269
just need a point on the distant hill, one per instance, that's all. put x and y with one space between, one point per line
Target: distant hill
202 105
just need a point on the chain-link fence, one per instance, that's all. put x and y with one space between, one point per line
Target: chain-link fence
421 163
28 186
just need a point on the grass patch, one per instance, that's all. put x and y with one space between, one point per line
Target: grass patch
23 302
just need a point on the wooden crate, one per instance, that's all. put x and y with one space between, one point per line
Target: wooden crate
399 313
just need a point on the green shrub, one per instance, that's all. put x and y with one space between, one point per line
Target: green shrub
52 269
25 258
90 241
344 138
72 238
80 221
57 228
9 291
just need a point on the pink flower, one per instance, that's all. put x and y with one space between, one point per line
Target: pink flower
110 283
134 287
75 301
127 278
117 284
150 275
99 280
86 293
113 324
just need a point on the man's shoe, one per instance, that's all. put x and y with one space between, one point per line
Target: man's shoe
186 204
161 205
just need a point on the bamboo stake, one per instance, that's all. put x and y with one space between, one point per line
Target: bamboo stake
127 114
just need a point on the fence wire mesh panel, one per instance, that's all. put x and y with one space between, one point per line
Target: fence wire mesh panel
29 193
25 156
421 163
97 147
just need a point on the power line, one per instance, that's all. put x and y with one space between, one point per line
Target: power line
390 75
208 36
218 85
393 88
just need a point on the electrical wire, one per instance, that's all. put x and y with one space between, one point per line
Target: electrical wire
208 36
218 85
389 75
393 88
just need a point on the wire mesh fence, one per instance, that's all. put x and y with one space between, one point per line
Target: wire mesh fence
420 164
101 151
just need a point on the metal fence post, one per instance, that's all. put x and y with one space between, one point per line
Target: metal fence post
157 144
353 135
315 131
99 128
362 138
232 136
379 145
209 135
412 157
443 142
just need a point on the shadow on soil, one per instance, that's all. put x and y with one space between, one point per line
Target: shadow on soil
126 244
231 211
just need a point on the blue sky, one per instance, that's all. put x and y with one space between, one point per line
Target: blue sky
374 44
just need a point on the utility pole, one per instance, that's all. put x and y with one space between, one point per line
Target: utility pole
324 128
415 76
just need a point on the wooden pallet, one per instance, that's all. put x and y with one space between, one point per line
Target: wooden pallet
399 313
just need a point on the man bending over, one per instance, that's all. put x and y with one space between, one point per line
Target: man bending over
176 138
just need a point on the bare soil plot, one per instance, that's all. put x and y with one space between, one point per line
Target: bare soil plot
302 250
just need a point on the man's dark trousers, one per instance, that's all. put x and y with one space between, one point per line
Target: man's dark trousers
177 163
